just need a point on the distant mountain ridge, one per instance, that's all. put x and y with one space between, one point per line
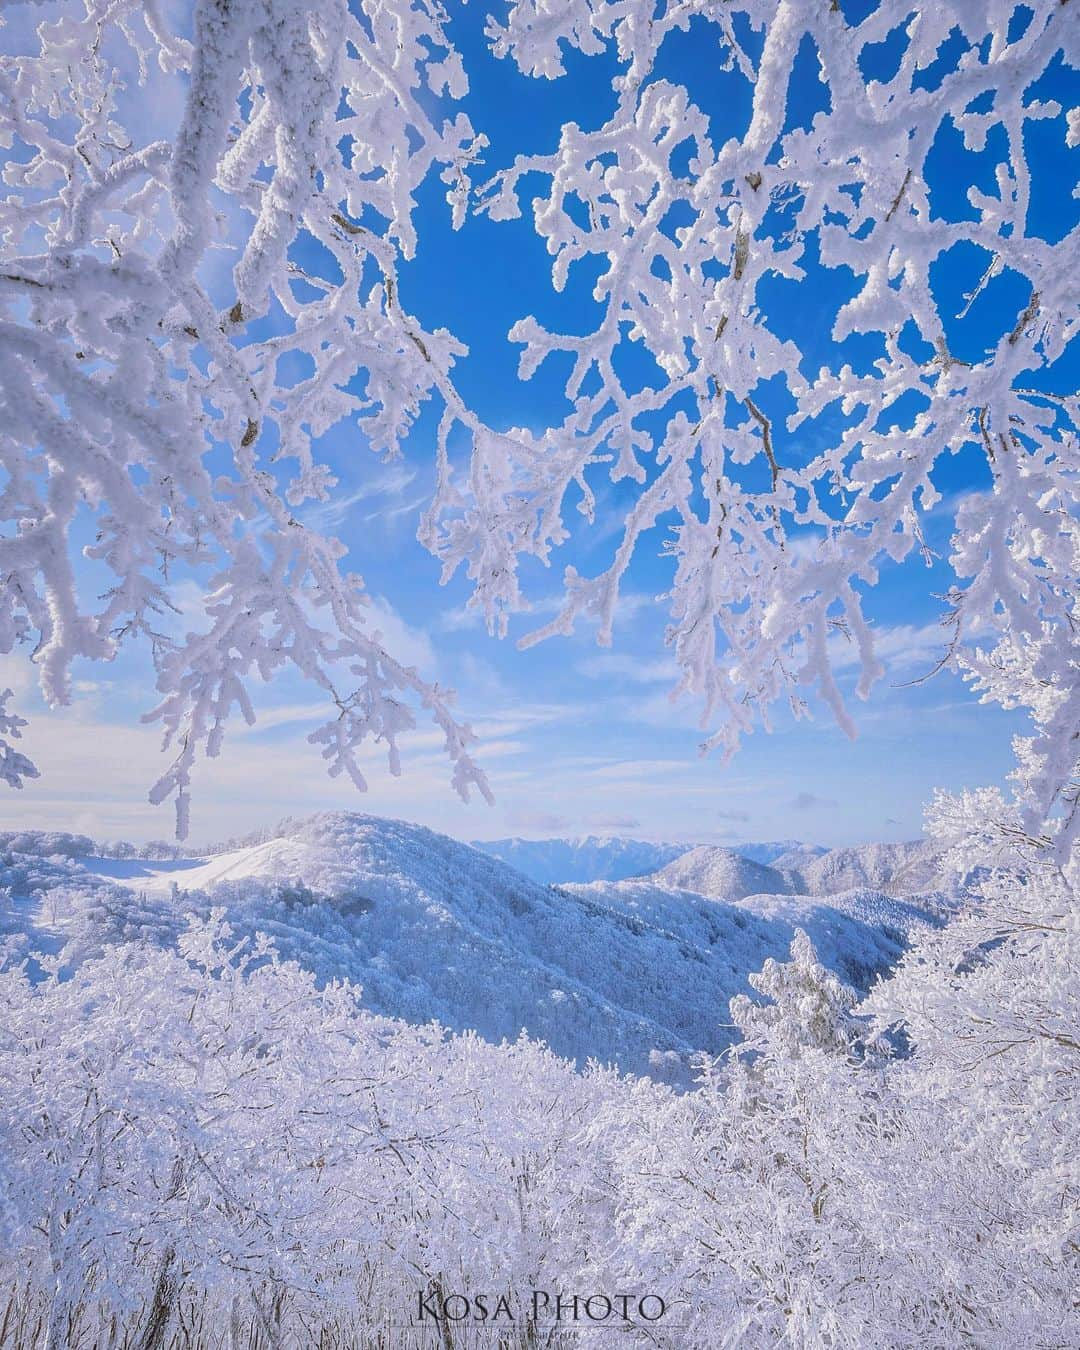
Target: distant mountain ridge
899 869
611 858
909 867
583 859
790 866
767 853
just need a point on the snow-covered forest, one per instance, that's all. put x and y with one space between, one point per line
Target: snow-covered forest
272 1095
304 1087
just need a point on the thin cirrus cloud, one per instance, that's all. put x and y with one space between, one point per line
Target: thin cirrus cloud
467 616
604 665
391 484
897 646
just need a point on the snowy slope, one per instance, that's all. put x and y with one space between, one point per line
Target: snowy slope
898 869
886 924
768 852
793 860
431 928
638 972
859 935
587 859
286 859
720 873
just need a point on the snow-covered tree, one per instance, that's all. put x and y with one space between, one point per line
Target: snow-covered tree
143 380
204 1141
200 1146
809 1006
14 765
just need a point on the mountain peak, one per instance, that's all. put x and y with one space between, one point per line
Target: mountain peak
721 874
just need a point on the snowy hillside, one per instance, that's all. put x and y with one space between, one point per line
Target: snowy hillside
769 851
720 873
434 929
859 935
552 861
794 858
898 869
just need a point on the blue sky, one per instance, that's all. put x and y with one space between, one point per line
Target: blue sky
576 739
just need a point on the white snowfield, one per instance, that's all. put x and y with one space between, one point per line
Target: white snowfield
634 972
277 859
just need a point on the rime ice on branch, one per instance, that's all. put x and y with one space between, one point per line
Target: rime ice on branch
769 567
314 119
129 391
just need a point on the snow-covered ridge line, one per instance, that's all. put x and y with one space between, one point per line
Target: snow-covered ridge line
582 858
586 858
729 871
789 865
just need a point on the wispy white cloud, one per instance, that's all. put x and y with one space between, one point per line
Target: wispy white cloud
389 481
898 646
407 644
393 513
514 718
97 773
283 715
621 665
547 606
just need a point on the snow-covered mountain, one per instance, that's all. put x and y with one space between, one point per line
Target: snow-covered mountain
795 857
729 873
898 869
768 852
720 873
639 973
552 861
859 934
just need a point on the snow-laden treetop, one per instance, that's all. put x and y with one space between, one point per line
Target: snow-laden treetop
142 387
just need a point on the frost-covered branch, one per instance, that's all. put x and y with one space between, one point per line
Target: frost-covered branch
146 386
14 765
142 384
789 480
